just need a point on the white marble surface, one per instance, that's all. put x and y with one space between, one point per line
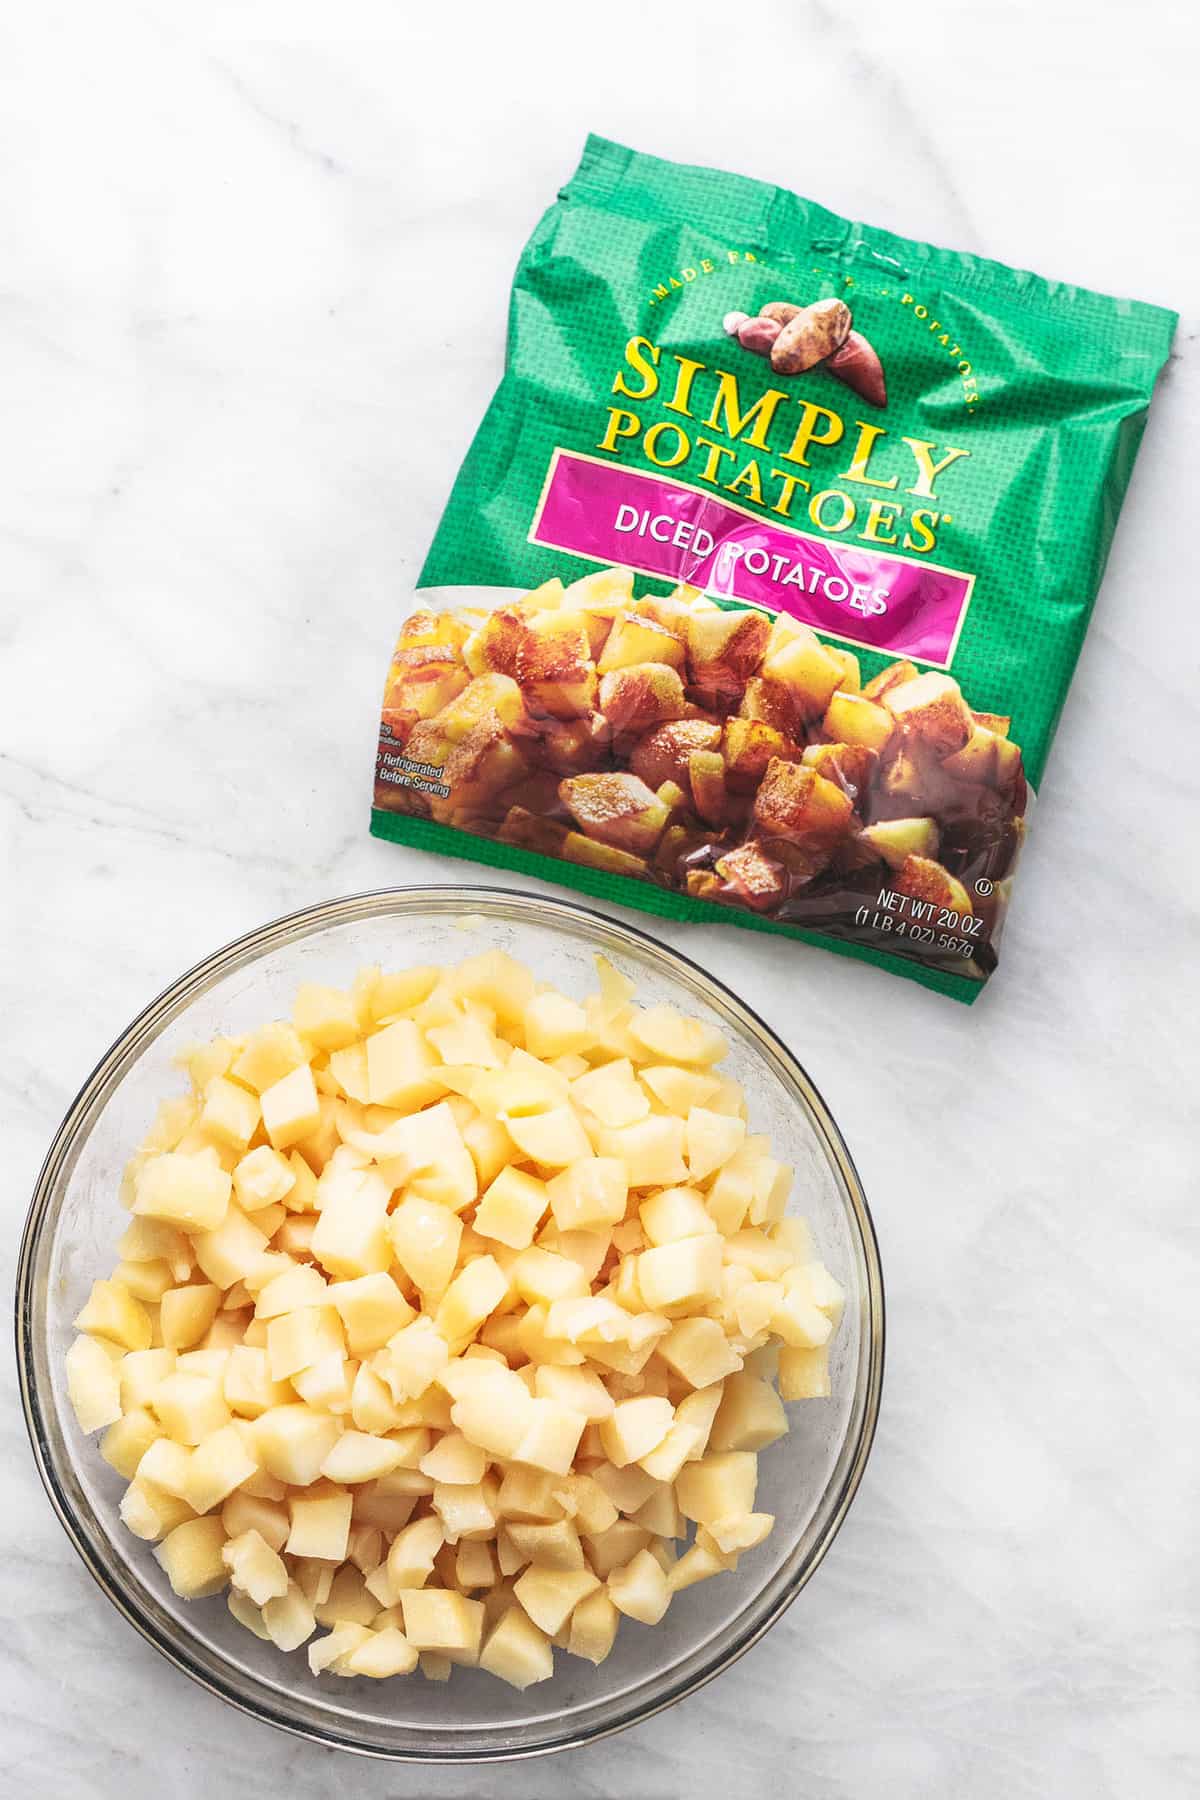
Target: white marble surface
252 297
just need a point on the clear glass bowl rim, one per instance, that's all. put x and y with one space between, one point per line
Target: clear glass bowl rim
745 1629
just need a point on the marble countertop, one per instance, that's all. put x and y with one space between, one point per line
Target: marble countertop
252 305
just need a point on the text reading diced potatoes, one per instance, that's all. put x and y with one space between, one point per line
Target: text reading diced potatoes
450 1319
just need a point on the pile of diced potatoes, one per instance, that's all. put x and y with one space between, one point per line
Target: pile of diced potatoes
445 1312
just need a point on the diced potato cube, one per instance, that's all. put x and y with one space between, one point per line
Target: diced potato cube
495 1410
262 1178
351 1236
186 1313
651 1150
741 1532
230 1113
555 1025
188 1190
551 1436
290 1110
190 1406
717 1485
401 1068
112 1312
190 1557
698 1350
372 1310
437 1620
289 1620
512 1208
804 1372
301 1338
666 1034
475 1291
233 1250
635 1427
293 1441
751 1415
255 1568
674 1213
218 1466
684 1273
589 1195
320 1525
711 1139
127 1439
517 1651
425 1238
612 1094
550 1595
413 1358
454 1459
410 1559
358 1456
553 1138
579 1389
326 1016
593 1630
383 1653
696 1564
639 1590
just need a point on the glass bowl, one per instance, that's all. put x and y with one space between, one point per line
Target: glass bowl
807 1479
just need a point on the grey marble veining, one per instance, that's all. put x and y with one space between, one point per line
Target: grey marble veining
252 294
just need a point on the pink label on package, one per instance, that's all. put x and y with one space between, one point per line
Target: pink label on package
659 527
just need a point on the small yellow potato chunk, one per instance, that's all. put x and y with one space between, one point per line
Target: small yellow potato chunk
372 1310
410 1559
435 1619
640 1590
293 1441
612 1094
413 1358
113 1313
517 1651
127 1439
741 1532
320 1525
671 1038
550 1595
216 1467
675 1212
717 1486
686 1273
710 1139
552 1139
454 1459
93 1384
383 1653
188 1190
593 1629
351 1235
555 1026
255 1568
401 1068
750 1417
190 1557
230 1113
190 1406
326 1016
512 1208
358 1456
290 1110
474 1292
289 1620
425 1239
651 1150
635 1427
298 1339
262 1178
589 1195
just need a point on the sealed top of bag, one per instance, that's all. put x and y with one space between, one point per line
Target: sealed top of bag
760 589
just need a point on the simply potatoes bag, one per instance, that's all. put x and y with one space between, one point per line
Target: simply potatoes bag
759 591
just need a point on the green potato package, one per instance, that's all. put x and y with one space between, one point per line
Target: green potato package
761 586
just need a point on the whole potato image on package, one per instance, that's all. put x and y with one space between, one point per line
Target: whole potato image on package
761 586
